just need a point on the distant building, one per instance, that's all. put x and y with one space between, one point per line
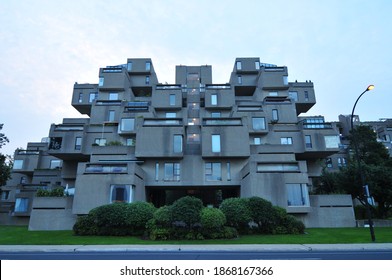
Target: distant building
147 141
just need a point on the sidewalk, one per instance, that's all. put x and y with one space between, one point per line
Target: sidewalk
168 248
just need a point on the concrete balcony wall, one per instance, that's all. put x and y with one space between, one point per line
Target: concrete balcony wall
330 211
161 99
114 80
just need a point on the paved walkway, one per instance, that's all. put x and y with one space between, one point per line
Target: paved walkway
204 247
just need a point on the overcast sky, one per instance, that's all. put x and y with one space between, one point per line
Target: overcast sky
47 46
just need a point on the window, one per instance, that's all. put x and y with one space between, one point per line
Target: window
113 96
148 66
332 141
273 93
257 65
306 96
177 144
286 141
21 204
5 195
214 99
100 83
258 123
215 114
106 168
111 115
55 163
228 171
239 79
277 167
93 96
308 141
275 115
80 97
285 80
213 171
342 162
172 172
130 142
239 65
121 193
127 124
129 66
78 143
18 164
156 171
216 143
293 95
171 115
328 162
297 195
257 141
100 141
172 99
147 80
23 180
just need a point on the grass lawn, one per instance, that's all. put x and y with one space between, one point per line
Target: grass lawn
19 235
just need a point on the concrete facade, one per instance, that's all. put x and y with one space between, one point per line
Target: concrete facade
142 140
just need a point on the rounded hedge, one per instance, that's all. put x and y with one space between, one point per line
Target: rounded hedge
237 212
212 218
186 211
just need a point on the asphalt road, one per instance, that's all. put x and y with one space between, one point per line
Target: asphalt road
202 255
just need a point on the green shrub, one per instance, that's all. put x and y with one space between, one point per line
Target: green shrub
111 219
85 225
163 216
263 214
212 218
137 215
57 192
237 212
187 210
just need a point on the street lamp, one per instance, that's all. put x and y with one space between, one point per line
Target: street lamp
362 176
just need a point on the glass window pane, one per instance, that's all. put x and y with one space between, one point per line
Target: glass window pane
297 195
258 123
121 193
55 163
127 124
177 144
18 164
21 204
113 96
172 99
216 143
214 99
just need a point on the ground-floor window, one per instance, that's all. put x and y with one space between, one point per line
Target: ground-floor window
22 204
297 195
121 193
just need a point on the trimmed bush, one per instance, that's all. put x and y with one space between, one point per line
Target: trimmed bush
137 215
237 213
163 216
212 218
187 210
85 225
212 222
263 214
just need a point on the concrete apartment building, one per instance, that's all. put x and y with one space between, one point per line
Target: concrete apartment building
141 140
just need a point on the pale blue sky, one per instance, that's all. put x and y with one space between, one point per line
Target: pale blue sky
47 46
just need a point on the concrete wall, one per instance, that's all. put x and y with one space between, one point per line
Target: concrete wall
52 213
330 211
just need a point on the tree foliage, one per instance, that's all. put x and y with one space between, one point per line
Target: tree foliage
5 161
376 167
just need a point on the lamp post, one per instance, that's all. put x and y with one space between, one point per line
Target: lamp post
365 188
